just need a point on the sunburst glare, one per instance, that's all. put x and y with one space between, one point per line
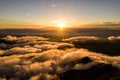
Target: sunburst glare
61 25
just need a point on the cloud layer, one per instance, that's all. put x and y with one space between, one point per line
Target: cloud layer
33 58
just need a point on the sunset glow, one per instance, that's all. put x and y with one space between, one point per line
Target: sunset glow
61 25
59 39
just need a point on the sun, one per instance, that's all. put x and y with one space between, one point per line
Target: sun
61 25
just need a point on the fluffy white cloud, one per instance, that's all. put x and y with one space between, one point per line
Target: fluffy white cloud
25 38
26 48
19 51
42 60
10 38
51 62
81 38
113 38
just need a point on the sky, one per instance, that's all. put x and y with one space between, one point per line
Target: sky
50 12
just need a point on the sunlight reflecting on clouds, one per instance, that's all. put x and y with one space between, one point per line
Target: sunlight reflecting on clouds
39 59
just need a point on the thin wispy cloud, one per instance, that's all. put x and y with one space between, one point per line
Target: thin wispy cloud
81 38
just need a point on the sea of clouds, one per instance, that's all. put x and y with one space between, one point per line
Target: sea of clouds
37 58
